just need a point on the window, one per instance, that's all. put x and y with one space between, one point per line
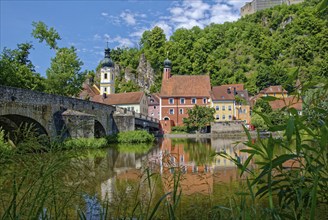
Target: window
244 111
132 108
154 107
105 76
171 101
182 101
223 108
204 100
152 114
171 111
193 101
105 89
151 100
181 158
274 94
217 108
229 107
230 117
223 117
217 117
112 76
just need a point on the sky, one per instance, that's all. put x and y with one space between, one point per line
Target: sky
89 25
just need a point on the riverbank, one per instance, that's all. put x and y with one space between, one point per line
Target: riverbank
217 135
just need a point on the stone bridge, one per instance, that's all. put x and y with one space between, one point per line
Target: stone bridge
55 115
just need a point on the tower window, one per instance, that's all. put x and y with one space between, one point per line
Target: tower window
105 89
105 76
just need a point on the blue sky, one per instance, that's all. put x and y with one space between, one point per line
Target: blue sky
87 25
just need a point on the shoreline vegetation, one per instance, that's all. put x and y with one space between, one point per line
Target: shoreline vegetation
26 140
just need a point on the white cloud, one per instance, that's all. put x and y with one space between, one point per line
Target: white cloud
104 14
119 41
128 17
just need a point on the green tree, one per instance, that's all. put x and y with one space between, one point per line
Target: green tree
64 77
199 117
262 106
128 86
17 70
41 32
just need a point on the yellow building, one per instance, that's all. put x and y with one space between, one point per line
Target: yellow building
276 91
223 101
231 103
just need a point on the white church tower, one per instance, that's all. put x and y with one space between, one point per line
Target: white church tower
107 75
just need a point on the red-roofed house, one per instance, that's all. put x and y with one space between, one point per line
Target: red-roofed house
226 104
289 102
180 93
133 101
153 106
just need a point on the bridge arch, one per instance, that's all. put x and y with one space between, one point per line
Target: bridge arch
100 131
11 122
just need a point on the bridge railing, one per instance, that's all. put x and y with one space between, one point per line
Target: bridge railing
137 115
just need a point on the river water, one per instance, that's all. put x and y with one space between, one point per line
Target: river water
125 181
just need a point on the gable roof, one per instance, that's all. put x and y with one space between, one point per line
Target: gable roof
290 102
153 99
221 93
186 86
273 89
120 98
88 91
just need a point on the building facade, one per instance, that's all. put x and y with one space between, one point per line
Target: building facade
153 106
180 93
258 5
132 101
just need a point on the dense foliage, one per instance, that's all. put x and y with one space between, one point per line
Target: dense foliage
261 49
199 117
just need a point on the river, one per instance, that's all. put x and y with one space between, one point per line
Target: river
125 181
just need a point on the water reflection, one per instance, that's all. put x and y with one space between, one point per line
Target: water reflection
196 159
116 175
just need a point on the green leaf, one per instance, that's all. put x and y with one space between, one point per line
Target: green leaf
290 128
269 98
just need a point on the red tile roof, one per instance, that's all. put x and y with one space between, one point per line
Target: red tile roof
186 86
290 102
221 92
273 89
88 91
120 98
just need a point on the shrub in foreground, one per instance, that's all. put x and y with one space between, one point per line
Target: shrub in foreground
138 136
84 143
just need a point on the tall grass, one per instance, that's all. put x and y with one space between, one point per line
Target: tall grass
294 178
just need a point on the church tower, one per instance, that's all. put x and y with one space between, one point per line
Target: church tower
167 69
107 75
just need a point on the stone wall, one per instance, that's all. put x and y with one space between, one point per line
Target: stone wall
227 127
46 109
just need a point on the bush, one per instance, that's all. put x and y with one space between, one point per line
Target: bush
181 129
84 143
139 136
4 146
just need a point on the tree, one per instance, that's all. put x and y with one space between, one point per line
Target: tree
199 117
41 32
262 106
64 77
17 70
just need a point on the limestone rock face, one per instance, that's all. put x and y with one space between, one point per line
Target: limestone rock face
145 75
